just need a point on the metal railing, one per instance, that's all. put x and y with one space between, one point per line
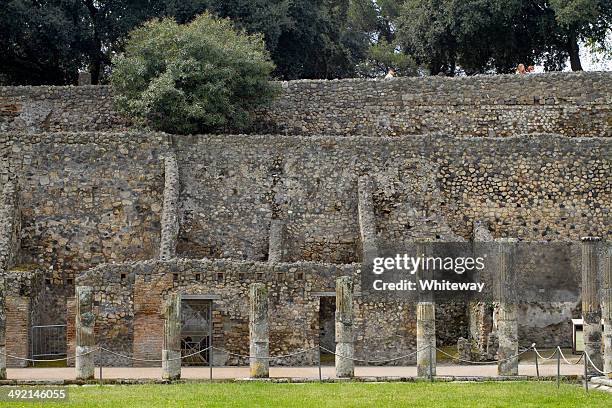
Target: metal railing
48 341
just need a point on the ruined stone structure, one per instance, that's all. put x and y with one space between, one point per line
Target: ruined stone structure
591 311
345 349
259 336
171 354
330 173
85 338
507 324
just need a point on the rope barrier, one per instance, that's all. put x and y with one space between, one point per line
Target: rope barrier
153 360
545 358
552 356
483 362
49 360
265 358
594 366
375 361
565 359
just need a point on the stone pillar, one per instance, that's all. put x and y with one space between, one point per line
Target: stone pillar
367 220
426 336
169 217
507 324
591 313
345 366
171 353
85 341
481 313
275 243
607 307
84 78
259 335
2 332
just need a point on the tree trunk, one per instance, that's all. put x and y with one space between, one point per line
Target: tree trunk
574 53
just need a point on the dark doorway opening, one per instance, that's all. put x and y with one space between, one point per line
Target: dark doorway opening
327 328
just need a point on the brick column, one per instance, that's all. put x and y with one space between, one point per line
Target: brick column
171 353
507 324
259 334
607 307
275 242
85 340
2 333
426 336
591 313
345 367
169 217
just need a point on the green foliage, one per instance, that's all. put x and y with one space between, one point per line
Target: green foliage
203 76
375 20
382 56
49 41
495 35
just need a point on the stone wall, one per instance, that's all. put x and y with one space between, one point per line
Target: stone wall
10 225
531 187
91 197
128 305
23 290
35 109
128 300
94 198
570 104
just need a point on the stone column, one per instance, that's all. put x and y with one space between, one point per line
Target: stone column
591 313
367 220
169 216
84 326
345 366
507 324
2 332
275 242
259 335
607 307
426 336
171 353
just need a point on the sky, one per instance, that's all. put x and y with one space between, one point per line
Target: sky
593 62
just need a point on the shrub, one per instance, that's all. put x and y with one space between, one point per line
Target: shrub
204 76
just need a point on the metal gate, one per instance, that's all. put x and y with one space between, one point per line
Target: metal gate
48 342
196 330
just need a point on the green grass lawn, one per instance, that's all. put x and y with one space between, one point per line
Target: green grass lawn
258 394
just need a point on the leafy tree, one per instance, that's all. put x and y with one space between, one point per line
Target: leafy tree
382 56
587 21
48 41
202 76
41 42
495 35
318 43
376 23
